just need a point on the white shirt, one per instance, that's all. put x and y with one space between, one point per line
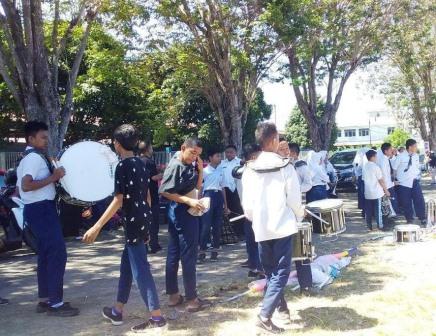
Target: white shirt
304 177
272 201
213 178
405 178
34 165
227 166
371 174
383 163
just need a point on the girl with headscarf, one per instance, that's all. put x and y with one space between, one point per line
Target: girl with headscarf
358 163
320 178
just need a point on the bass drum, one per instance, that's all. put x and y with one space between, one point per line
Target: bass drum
90 172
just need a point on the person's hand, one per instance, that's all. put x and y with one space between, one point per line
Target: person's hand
199 164
387 193
58 173
226 211
91 235
196 204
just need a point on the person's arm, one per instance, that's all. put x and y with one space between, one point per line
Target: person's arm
200 173
90 235
293 196
191 202
29 184
383 185
149 198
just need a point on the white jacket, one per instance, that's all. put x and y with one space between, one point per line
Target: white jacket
271 197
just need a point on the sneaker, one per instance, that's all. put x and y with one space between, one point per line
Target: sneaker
150 324
42 307
309 291
283 316
63 311
155 249
268 326
116 319
201 258
3 301
245 264
214 256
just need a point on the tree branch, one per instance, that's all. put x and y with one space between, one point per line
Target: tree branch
4 71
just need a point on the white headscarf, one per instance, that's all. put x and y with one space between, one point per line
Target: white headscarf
316 167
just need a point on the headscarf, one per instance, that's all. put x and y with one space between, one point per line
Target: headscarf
316 167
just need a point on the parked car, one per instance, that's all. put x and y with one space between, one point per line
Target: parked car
343 163
2 178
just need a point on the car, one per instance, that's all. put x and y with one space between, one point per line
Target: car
343 163
2 178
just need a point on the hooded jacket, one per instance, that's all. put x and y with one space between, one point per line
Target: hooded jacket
271 197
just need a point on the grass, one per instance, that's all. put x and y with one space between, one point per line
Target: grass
387 290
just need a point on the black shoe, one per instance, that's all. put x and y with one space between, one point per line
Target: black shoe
201 258
423 222
116 319
283 316
268 326
42 307
309 291
253 274
3 301
155 249
245 264
214 256
63 311
150 324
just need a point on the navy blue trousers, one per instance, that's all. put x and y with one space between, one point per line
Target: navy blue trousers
360 193
252 247
317 193
394 199
43 220
154 227
412 199
134 265
183 232
212 219
373 210
275 257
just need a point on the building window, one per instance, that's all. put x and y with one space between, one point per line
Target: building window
363 132
391 130
339 134
350 133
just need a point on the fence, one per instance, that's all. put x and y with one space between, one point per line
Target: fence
9 159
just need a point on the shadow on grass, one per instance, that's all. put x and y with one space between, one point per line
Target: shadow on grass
335 319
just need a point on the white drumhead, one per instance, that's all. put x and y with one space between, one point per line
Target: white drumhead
326 204
407 228
90 171
304 225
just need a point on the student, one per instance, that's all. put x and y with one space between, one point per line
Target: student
432 167
230 187
213 187
37 191
319 177
131 190
385 164
146 153
182 176
358 163
375 188
409 190
272 201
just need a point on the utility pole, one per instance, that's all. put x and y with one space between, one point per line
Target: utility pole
369 131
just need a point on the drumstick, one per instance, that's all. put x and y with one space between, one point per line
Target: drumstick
234 219
317 217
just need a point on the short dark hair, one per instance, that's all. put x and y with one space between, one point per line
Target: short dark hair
212 151
249 150
385 146
370 154
294 147
410 142
265 132
231 147
127 136
191 142
33 127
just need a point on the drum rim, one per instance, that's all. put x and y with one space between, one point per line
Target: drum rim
317 208
407 227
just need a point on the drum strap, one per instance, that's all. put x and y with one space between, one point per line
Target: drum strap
42 155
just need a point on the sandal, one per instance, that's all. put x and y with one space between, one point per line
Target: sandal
203 304
178 303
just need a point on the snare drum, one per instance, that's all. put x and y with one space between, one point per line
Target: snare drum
302 247
407 233
90 171
331 211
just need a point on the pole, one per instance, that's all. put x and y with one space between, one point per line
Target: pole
370 140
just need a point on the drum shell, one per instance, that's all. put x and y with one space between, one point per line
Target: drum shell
334 217
407 233
302 248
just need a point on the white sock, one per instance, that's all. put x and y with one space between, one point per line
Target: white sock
57 305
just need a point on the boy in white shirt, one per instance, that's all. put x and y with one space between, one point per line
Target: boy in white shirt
272 201
375 188
35 181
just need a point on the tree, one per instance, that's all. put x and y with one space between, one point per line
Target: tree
297 129
412 53
32 56
231 48
325 42
398 137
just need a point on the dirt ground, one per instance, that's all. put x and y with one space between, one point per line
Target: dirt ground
389 289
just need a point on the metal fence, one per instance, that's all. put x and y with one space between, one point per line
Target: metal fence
9 159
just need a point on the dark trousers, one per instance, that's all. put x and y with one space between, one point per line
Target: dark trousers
251 246
154 225
134 265
275 257
234 205
360 193
43 220
394 199
304 273
317 193
373 210
213 219
412 199
183 232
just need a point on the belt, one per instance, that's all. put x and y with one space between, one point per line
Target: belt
213 190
